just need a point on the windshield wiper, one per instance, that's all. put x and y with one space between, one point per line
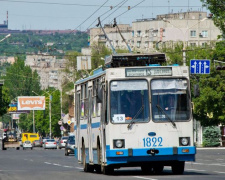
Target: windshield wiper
136 115
160 108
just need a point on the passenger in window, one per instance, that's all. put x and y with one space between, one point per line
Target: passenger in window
170 104
134 103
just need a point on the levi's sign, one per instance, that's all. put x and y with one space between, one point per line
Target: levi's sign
31 103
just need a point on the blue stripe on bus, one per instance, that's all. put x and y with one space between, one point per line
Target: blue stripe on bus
139 155
84 126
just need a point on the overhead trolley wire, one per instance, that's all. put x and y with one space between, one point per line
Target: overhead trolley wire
95 5
91 15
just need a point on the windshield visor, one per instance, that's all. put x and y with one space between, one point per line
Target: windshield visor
129 101
170 98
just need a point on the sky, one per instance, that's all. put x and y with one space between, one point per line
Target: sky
83 14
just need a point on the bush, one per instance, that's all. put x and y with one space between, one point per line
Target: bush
211 137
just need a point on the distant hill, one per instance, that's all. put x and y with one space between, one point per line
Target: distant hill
32 42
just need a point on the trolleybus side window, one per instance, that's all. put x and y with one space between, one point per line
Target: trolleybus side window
129 101
84 101
170 100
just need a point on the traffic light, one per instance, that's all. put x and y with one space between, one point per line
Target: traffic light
220 68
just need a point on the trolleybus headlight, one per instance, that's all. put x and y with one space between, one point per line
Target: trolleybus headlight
184 141
118 143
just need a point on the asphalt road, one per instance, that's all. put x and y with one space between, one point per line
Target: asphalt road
40 164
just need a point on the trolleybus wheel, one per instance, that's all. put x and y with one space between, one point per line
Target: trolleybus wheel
99 152
86 166
107 170
178 167
158 169
147 169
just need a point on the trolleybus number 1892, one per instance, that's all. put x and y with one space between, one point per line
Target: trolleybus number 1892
153 142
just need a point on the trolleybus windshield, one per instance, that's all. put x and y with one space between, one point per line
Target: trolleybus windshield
170 100
129 101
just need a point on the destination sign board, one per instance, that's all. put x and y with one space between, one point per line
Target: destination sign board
150 71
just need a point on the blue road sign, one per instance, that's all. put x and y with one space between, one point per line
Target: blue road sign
200 66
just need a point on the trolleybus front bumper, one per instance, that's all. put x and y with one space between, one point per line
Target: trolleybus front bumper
124 156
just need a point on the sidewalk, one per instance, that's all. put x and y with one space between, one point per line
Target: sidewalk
206 148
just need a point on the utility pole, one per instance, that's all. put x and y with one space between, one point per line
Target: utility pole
50 115
33 123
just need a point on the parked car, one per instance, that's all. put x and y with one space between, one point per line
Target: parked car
37 143
70 145
43 140
50 144
62 142
27 144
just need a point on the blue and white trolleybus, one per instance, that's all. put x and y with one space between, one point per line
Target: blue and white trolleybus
134 113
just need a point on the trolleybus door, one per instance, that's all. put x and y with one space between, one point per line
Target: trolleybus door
103 119
89 128
78 113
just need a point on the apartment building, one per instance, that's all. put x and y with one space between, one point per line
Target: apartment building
194 28
97 35
48 68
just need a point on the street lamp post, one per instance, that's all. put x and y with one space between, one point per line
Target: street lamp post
50 114
184 34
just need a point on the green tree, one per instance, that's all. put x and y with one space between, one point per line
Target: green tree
210 106
20 80
211 136
4 100
217 8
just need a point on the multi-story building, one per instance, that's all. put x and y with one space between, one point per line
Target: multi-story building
96 35
48 68
194 28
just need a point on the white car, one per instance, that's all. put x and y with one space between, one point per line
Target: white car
27 144
50 144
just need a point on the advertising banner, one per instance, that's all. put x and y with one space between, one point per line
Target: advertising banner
31 103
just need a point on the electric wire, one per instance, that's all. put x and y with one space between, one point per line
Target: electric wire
92 14
94 5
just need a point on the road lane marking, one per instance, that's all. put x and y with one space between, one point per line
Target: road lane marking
219 172
79 168
139 177
56 164
47 163
195 170
68 166
214 164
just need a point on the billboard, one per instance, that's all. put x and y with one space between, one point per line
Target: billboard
83 62
31 103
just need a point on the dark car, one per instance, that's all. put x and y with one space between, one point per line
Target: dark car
70 145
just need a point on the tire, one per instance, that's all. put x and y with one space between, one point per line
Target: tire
147 169
23 148
86 166
18 148
178 167
31 148
98 167
107 170
66 153
158 169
